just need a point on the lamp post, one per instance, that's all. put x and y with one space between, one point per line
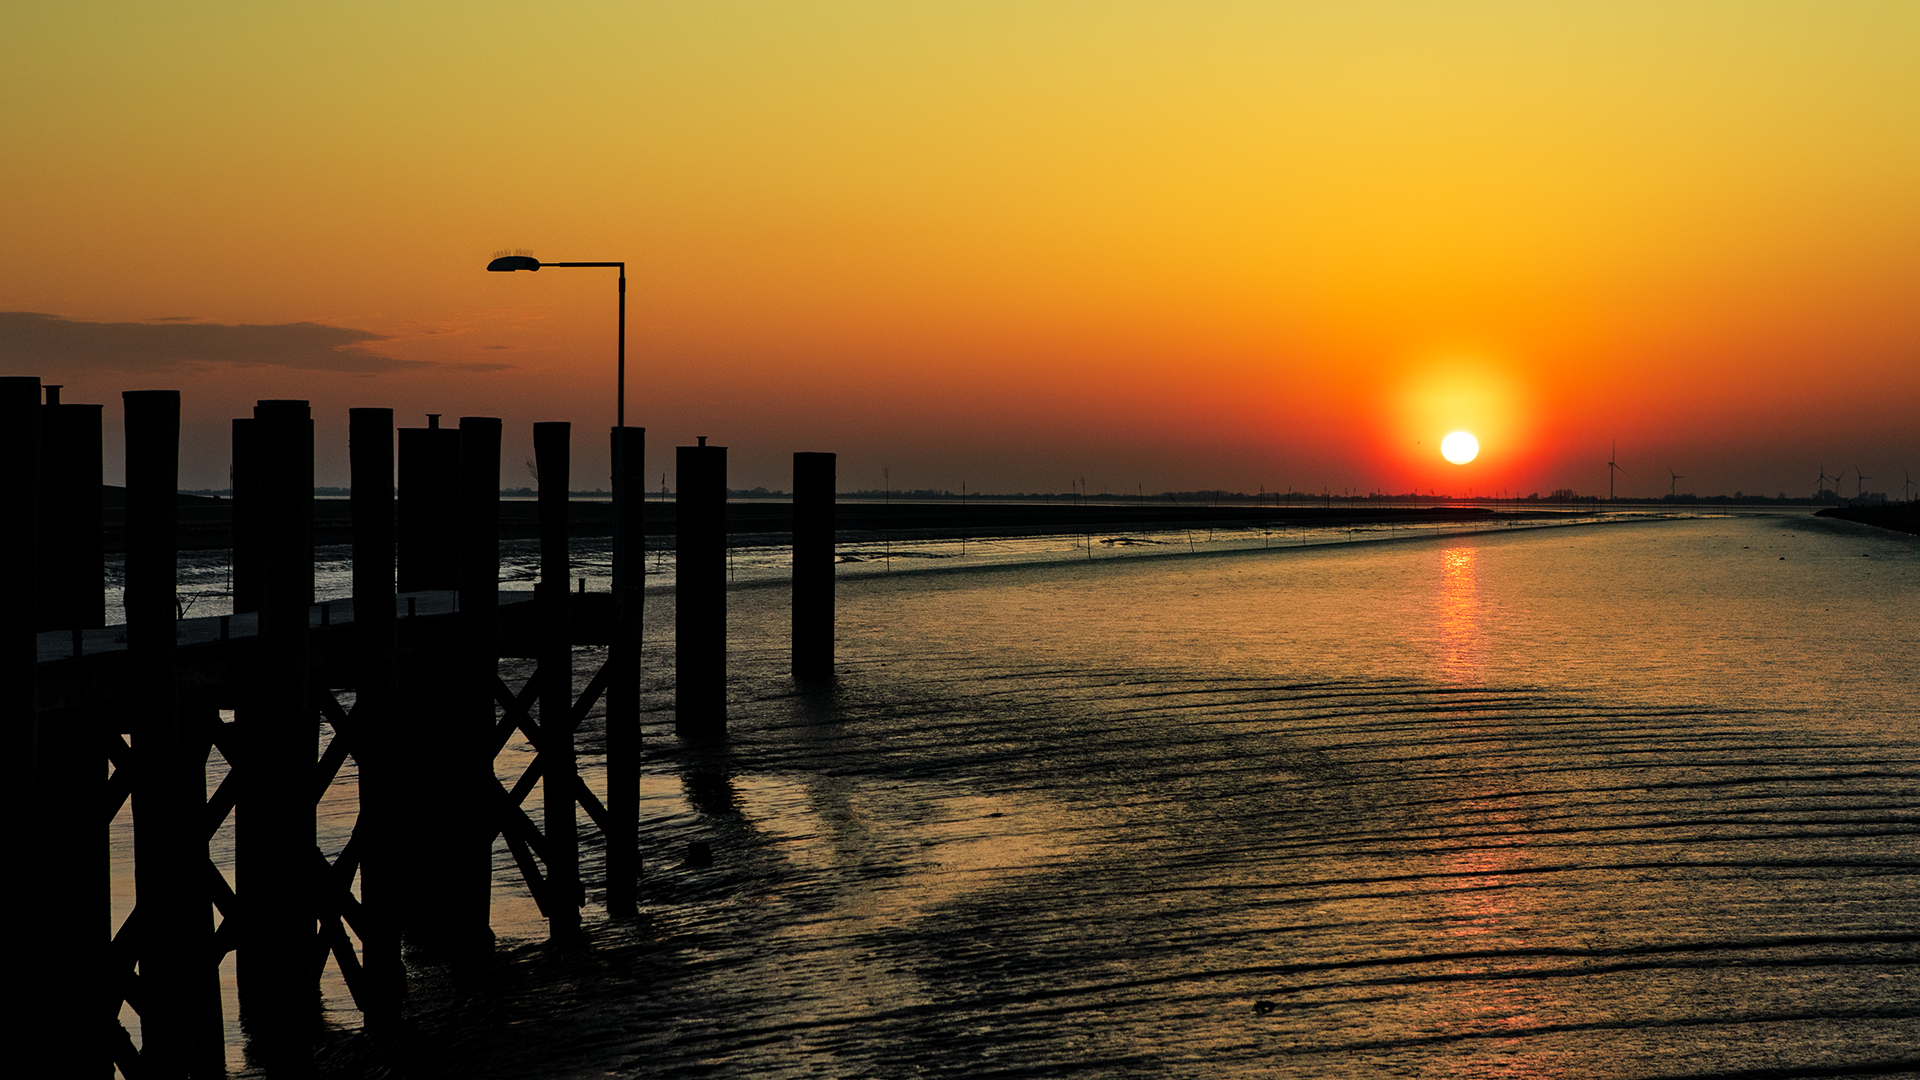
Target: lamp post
528 262
629 582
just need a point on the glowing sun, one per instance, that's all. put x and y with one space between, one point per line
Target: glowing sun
1460 447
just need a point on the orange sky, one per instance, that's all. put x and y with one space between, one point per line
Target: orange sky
1161 245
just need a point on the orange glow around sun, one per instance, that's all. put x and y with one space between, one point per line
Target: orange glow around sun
1448 397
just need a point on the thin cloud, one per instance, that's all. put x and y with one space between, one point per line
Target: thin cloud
31 340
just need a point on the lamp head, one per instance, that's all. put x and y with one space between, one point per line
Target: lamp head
514 262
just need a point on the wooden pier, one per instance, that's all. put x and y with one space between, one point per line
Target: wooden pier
409 682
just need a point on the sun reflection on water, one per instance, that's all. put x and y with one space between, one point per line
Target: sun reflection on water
1462 658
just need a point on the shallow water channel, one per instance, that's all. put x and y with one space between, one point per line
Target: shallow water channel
1629 800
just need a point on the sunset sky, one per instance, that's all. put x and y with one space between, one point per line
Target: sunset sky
1155 245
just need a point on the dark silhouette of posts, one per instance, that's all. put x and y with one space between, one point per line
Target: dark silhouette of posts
375 730
275 819
72 581
465 743
429 467
700 592
623 658
30 1045
427 725
814 483
65 953
179 999
19 541
558 777
244 475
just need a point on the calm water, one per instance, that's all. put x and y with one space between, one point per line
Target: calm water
1634 799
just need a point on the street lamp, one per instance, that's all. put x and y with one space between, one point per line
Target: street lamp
528 262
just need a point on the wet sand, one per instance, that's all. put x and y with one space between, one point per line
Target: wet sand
1002 856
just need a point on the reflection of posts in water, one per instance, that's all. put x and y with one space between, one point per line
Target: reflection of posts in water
813 510
275 817
376 718
700 592
555 668
623 657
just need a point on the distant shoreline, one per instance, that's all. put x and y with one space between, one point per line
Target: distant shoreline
206 522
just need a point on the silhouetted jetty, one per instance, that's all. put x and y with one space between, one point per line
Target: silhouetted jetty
406 673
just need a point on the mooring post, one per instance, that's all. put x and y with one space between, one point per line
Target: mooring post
72 581
66 951
558 777
275 819
244 476
19 542
700 592
428 559
623 659
466 741
428 511
24 1026
813 505
375 718
175 932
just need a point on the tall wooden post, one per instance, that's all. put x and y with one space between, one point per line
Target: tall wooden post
376 719
71 584
244 475
65 954
623 657
170 852
558 773
19 542
274 821
700 592
465 741
19 723
428 512
427 523
813 504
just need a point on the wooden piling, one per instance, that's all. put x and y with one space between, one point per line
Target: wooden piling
467 746
19 542
275 819
814 484
72 580
427 528
244 476
428 510
376 721
700 592
623 657
559 776
66 952
19 723
170 850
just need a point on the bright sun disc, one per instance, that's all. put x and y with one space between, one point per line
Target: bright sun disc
1459 448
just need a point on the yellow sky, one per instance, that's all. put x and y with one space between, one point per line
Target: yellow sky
1175 245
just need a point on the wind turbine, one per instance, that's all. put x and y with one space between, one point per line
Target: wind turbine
1860 480
1674 482
1613 466
1908 486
